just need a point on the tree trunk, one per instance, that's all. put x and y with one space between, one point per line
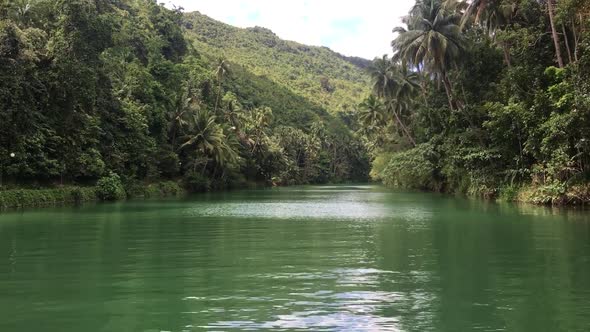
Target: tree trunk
480 9
567 44
576 40
204 167
554 33
403 127
423 83
218 96
334 159
456 104
448 89
506 49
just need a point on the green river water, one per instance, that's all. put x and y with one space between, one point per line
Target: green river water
333 258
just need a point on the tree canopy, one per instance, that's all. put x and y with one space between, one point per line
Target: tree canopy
513 110
93 88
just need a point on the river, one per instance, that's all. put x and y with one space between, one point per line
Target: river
333 258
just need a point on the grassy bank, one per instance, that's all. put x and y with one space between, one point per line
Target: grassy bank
549 195
73 195
24 198
425 168
557 195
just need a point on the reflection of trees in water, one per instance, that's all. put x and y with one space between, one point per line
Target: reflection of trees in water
426 262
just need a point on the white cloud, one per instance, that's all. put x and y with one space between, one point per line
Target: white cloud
359 28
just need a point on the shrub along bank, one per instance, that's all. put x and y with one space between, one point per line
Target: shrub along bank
109 188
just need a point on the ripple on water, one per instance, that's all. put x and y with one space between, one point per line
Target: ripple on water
312 209
352 306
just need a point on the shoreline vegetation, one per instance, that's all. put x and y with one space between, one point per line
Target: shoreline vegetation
486 98
111 189
16 199
124 93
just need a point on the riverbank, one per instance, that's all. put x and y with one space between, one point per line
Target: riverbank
548 194
544 195
72 195
556 195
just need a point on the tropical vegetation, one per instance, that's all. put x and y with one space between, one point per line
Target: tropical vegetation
123 93
485 97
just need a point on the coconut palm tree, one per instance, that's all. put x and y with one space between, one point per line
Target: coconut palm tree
382 75
395 85
491 15
257 124
221 70
179 118
476 9
408 82
432 41
372 113
208 140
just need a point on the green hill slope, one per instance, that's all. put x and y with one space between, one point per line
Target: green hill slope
131 92
324 78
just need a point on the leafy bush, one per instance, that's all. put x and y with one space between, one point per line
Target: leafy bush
21 198
159 189
379 165
110 188
415 169
196 182
169 188
509 193
84 194
549 194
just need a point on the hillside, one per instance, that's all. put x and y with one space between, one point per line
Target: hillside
323 77
127 93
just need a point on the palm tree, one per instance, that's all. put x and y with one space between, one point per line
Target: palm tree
395 85
372 113
408 82
476 9
260 121
491 15
221 70
208 139
432 41
186 106
382 75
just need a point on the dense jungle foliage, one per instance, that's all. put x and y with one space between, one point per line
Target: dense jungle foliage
122 92
486 97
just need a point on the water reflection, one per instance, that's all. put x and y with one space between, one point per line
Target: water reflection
331 258
353 306
334 203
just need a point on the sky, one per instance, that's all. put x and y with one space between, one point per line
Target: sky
354 28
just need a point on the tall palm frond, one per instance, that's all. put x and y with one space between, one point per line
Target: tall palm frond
433 40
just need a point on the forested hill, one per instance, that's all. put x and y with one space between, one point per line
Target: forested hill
322 76
130 91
